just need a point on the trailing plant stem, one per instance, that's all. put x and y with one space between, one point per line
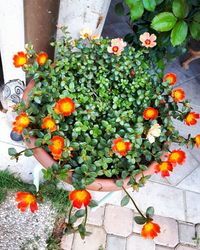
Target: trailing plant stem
133 202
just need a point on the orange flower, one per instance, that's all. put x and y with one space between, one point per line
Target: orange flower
120 146
21 121
178 94
197 140
18 129
164 167
79 198
191 118
49 123
57 146
64 106
20 59
150 113
42 58
150 230
26 199
171 77
177 157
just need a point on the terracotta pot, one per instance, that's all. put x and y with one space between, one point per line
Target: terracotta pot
100 184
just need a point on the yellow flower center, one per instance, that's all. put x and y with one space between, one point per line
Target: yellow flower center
163 166
50 124
66 107
81 195
24 120
57 144
149 226
190 117
42 59
86 35
150 112
22 60
177 94
29 198
174 156
121 146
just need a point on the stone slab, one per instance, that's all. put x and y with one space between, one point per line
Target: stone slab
186 233
115 243
163 248
118 220
191 182
66 242
136 242
192 207
182 247
168 232
167 201
96 217
91 242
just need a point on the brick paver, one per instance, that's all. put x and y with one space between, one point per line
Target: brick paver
182 247
187 233
115 243
163 248
91 242
96 217
136 242
118 220
169 232
192 207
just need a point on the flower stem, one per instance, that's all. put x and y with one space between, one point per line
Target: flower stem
70 211
86 215
133 202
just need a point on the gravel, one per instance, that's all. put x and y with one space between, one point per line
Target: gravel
25 231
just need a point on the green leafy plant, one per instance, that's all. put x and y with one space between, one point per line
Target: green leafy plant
174 23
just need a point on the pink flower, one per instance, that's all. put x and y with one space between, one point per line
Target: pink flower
148 40
117 46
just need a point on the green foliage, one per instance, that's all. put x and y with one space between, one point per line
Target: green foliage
12 151
125 200
149 5
195 26
179 33
136 8
180 8
164 21
168 20
140 220
150 212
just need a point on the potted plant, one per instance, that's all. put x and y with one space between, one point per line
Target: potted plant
100 117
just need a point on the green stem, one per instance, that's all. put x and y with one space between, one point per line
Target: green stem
133 203
70 211
19 153
86 215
